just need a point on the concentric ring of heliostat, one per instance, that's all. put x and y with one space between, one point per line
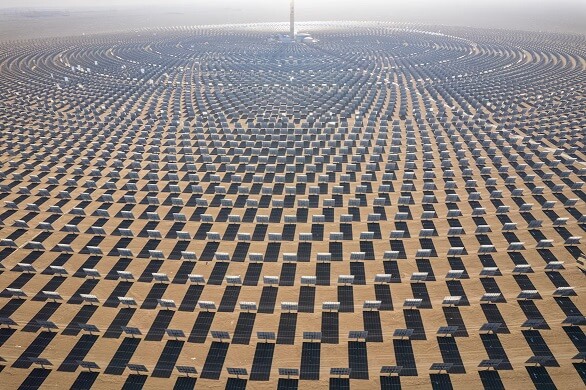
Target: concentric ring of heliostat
378 206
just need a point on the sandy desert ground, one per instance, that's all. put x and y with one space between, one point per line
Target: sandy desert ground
318 202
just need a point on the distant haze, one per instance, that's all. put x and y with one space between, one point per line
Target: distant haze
89 16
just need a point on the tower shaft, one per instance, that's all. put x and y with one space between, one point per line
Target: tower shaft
292 20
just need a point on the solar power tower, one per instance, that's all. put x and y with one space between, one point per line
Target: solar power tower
292 21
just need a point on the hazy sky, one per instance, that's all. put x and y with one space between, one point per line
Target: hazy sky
567 15
354 4
371 7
